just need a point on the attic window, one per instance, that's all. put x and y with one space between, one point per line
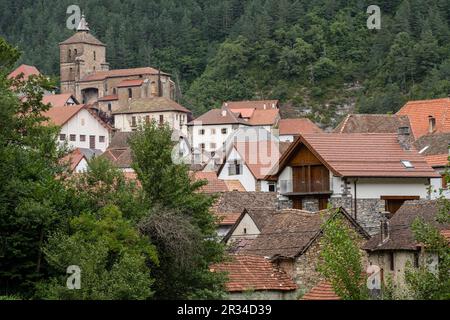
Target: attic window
407 164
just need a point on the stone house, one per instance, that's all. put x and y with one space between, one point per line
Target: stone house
369 174
373 123
252 277
291 240
395 247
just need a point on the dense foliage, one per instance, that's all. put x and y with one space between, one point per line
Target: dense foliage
315 55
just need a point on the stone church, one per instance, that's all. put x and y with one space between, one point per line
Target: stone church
86 75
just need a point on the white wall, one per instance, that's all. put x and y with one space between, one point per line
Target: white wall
286 138
84 123
82 166
218 138
246 178
246 229
265 185
176 120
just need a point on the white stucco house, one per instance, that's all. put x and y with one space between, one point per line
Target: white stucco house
80 127
370 175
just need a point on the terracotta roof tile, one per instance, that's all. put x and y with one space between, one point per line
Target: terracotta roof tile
245 113
216 116
213 183
60 115
73 159
234 185
130 83
236 202
264 117
155 104
372 123
362 155
401 236
57 100
110 97
437 160
253 104
83 37
228 219
419 112
102 75
248 272
323 291
26 70
297 126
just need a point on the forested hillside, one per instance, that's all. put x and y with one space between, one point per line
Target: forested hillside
317 56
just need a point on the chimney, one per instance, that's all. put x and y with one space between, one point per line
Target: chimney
224 113
404 138
385 232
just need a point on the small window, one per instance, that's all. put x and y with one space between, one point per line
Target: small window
133 121
114 91
407 164
70 54
73 137
62 137
213 131
101 139
82 138
272 187
224 130
130 93
109 107
201 132
147 119
95 57
161 119
245 230
82 122
212 145
202 146
235 168
76 52
416 259
391 261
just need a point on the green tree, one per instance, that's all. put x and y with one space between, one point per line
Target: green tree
113 258
342 260
180 217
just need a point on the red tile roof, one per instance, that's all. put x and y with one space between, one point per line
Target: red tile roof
437 160
227 219
26 70
215 185
264 117
323 291
152 104
110 97
297 126
102 75
245 113
419 112
57 100
73 159
60 115
254 104
248 272
218 116
83 37
130 83
362 155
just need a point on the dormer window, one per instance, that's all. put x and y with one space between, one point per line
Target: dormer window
407 164
431 124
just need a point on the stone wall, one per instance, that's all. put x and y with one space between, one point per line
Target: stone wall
310 204
263 295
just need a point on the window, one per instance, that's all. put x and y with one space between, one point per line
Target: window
76 52
224 130
114 91
416 259
431 124
235 168
70 54
213 131
73 137
147 119
201 132
82 122
176 116
82 138
62 137
95 57
161 119
101 139
245 230
407 164
202 146
272 186
109 107
212 145
133 121
391 261
130 93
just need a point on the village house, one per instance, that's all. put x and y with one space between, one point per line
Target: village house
395 248
77 160
252 277
427 116
80 127
291 240
140 111
119 152
373 123
368 174
60 100
289 129
24 71
251 161
229 206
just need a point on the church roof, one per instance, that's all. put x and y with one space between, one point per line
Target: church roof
83 37
117 73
